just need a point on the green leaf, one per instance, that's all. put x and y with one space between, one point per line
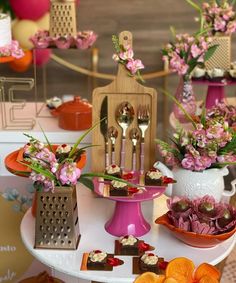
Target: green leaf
210 52
230 147
48 142
173 31
39 170
164 52
180 106
116 43
86 182
108 177
194 5
82 137
203 115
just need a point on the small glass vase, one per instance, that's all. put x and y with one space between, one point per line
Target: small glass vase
184 94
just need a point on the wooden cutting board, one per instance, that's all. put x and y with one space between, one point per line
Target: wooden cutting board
124 88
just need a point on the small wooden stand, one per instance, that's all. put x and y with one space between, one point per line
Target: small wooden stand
124 88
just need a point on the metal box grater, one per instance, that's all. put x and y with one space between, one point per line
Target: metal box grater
222 56
57 223
63 18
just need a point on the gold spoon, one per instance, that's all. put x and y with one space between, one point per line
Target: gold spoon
112 135
134 136
124 117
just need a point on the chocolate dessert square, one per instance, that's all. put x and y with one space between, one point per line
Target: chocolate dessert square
96 265
129 245
148 267
151 179
114 171
119 189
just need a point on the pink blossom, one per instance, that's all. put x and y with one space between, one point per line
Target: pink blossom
68 174
115 57
195 51
214 132
231 27
230 157
85 39
188 162
127 55
178 64
134 66
46 155
219 24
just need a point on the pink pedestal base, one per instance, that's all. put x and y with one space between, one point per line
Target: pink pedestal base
214 94
127 220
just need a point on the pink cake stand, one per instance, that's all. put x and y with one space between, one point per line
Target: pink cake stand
127 218
215 91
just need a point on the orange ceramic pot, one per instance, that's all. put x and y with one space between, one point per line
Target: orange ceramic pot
194 239
74 115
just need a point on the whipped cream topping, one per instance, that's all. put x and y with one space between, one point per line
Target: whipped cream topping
118 184
54 102
112 169
128 240
154 174
64 148
149 258
97 256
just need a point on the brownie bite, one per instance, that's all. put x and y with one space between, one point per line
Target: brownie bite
113 170
153 177
97 260
149 262
129 245
62 151
119 189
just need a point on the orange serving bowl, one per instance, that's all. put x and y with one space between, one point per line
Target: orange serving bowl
194 239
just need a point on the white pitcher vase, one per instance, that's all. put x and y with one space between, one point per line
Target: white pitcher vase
194 184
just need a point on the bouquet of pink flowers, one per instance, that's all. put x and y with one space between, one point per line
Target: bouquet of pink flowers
125 56
187 51
202 215
219 16
211 144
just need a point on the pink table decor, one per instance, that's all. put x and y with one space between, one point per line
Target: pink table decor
127 218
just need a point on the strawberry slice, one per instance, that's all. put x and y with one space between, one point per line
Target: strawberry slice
113 261
143 247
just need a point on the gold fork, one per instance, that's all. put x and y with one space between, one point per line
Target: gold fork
143 124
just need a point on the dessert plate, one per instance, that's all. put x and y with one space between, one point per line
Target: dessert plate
13 165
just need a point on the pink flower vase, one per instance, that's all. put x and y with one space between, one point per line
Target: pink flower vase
184 94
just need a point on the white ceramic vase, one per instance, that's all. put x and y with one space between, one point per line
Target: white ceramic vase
197 184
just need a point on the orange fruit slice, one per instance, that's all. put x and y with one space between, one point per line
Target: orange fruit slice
206 269
150 277
181 269
208 279
170 280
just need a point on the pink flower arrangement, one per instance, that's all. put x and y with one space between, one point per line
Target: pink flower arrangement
211 144
83 40
56 165
125 56
202 215
12 49
186 52
51 166
219 17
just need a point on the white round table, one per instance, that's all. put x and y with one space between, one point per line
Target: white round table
93 214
